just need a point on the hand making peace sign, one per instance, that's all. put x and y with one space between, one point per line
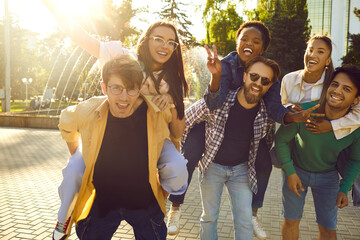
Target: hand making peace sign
214 63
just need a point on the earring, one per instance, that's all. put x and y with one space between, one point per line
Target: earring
326 67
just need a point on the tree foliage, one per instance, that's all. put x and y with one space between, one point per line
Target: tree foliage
289 26
25 60
221 21
357 12
353 54
173 11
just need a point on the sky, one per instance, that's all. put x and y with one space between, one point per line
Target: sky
33 15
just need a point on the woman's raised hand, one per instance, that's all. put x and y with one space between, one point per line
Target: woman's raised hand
213 63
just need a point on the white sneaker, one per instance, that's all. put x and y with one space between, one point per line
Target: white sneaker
173 221
257 229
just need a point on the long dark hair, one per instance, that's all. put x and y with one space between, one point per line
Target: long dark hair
328 71
172 71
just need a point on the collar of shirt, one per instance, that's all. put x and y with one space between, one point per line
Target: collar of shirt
215 128
299 79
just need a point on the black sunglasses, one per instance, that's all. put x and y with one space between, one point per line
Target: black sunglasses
264 80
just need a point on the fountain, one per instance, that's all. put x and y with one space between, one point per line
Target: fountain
77 80
75 77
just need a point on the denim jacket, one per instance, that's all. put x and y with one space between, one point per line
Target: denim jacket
232 78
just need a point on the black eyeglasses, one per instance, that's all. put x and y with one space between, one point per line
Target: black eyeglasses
264 80
161 42
117 90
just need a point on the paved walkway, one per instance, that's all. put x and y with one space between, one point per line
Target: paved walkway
30 171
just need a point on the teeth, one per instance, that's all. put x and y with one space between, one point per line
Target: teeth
312 62
248 50
335 98
256 89
162 53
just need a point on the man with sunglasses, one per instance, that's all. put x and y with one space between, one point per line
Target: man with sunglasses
122 137
232 136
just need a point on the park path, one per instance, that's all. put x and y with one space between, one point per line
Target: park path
30 171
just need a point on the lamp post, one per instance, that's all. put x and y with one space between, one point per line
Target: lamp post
26 81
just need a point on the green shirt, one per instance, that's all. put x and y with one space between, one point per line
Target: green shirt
317 152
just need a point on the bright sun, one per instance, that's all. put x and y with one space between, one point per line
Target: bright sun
81 8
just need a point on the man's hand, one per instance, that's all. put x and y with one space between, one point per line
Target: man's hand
342 200
295 108
319 126
303 116
294 184
162 101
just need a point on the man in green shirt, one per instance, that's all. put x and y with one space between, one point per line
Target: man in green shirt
311 163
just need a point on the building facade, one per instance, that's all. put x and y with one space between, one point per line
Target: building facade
334 18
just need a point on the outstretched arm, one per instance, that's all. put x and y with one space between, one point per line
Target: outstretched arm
74 30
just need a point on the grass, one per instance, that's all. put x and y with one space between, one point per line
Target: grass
20 105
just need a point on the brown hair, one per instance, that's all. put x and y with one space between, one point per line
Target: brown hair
330 68
173 69
127 68
265 33
271 63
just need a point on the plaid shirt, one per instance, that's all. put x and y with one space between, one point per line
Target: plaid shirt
215 128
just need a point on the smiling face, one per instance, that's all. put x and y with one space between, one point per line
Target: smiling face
317 56
122 105
161 51
250 44
255 90
341 93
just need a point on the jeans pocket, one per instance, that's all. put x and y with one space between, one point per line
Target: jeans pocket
158 225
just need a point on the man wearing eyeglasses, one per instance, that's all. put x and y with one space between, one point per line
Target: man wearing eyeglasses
232 136
122 137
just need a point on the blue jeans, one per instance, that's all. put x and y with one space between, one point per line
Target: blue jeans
263 167
147 223
193 149
324 187
211 187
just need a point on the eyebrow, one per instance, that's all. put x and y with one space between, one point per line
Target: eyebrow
170 39
255 37
343 84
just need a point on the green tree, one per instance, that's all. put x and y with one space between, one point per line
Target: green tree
221 21
173 10
353 54
357 12
289 26
25 61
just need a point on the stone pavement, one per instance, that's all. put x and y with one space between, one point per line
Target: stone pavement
30 171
